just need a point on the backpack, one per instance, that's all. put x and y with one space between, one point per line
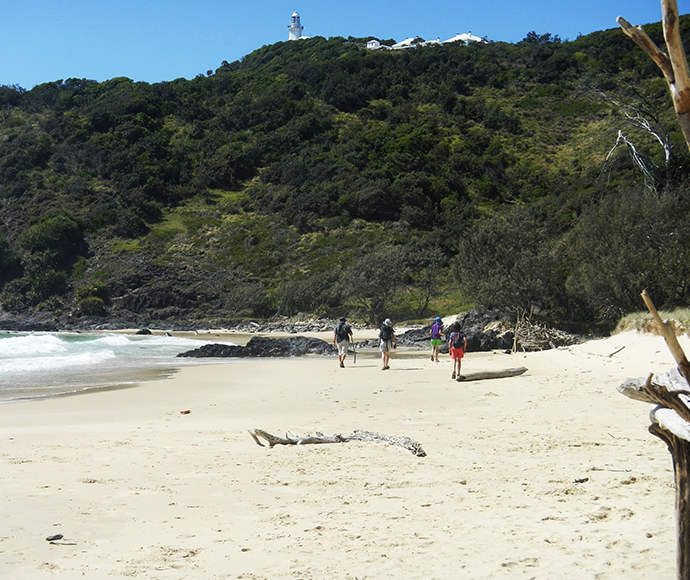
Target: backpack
342 332
458 340
386 333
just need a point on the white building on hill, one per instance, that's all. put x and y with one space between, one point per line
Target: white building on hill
295 28
465 38
374 44
414 42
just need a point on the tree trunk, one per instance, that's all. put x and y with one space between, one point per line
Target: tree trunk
680 451
674 65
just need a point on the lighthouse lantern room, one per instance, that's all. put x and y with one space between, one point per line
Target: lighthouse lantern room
295 29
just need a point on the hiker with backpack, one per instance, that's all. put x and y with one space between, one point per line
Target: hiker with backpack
342 335
386 342
457 343
436 337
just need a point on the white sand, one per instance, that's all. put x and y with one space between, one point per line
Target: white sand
139 489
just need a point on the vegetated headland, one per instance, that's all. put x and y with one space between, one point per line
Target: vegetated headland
319 178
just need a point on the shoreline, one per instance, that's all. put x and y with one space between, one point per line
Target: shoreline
554 466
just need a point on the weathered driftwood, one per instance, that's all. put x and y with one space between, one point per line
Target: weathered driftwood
481 375
291 439
674 65
670 418
530 337
669 335
670 424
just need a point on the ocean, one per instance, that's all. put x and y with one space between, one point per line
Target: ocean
36 365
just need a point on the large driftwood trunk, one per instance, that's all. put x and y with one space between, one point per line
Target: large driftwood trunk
674 65
319 438
481 375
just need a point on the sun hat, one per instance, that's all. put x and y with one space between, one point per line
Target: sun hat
343 319
438 319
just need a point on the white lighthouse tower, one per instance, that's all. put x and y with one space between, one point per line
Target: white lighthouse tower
295 29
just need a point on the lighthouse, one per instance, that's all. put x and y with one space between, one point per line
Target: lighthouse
295 29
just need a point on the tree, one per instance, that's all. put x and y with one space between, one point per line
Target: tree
505 261
374 280
630 240
427 266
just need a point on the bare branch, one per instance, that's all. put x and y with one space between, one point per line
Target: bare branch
637 159
640 38
669 335
679 62
674 66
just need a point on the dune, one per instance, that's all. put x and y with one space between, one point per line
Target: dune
550 474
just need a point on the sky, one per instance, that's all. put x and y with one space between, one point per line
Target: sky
153 40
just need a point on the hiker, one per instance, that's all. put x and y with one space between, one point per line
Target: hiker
387 341
342 335
457 343
437 335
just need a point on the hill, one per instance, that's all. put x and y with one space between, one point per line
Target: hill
320 177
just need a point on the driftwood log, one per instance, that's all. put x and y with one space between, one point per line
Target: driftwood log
670 393
674 65
359 435
480 375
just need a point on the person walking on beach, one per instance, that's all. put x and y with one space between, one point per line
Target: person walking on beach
342 335
437 335
457 343
386 342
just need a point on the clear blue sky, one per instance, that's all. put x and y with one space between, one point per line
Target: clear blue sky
154 40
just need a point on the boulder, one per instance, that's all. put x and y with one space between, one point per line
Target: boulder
485 331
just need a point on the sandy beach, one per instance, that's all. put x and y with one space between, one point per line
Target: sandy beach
551 474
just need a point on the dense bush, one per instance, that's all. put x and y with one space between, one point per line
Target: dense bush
507 261
318 175
628 242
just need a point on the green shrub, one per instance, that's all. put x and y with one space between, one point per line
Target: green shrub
91 305
97 290
58 235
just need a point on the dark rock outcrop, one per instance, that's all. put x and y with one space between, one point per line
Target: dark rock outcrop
482 329
261 346
483 333
27 324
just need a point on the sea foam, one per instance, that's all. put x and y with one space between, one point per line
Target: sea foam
34 365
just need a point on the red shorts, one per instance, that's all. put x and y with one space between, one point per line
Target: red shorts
457 352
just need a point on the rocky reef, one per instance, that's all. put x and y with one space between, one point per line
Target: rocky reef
261 346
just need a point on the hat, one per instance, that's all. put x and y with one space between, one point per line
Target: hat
438 319
387 322
343 319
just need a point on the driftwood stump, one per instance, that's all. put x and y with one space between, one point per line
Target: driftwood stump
671 423
670 392
680 450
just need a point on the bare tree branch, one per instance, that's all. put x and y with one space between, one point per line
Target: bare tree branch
674 65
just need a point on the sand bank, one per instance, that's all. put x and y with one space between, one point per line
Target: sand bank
551 474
